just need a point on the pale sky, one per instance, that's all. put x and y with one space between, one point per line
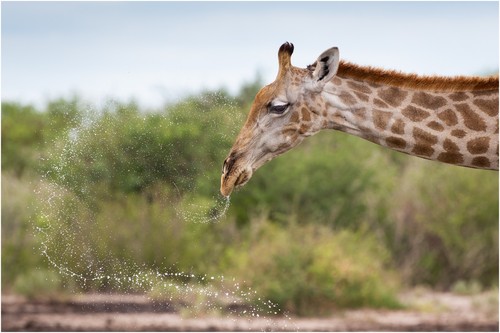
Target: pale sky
160 51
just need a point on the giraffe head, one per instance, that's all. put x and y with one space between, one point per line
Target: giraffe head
281 116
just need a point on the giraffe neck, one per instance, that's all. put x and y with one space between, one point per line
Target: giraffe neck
459 127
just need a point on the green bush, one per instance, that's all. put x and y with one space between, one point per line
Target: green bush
122 150
22 136
446 221
310 270
20 252
120 191
38 283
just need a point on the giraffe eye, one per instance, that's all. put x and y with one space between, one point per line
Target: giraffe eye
278 109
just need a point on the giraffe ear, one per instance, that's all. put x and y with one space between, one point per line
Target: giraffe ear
326 66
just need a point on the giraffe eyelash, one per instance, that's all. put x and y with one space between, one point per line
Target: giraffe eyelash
278 109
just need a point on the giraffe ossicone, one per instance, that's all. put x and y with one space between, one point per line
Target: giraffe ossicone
448 119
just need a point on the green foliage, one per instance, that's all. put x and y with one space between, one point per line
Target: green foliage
18 244
336 222
25 131
127 151
38 283
21 136
311 269
447 224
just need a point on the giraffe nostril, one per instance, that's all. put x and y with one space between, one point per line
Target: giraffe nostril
224 167
228 165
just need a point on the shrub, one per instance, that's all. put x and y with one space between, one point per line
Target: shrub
38 283
310 270
338 214
20 252
446 225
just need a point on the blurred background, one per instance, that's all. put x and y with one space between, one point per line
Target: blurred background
116 118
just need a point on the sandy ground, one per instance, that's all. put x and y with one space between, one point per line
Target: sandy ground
426 312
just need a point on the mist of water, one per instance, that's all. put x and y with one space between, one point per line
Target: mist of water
56 226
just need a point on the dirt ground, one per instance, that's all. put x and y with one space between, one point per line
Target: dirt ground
426 312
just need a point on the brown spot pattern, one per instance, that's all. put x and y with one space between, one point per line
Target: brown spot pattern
423 137
283 147
428 101
359 87
471 119
478 145
392 96
450 146
458 96
381 119
490 107
452 158
347 98
414 113
458 133
305 114
380 103
289 131
395 142
360 113
435 126
423 150
361 96
304 127
448 117
485 92
481 162
398 127
295 117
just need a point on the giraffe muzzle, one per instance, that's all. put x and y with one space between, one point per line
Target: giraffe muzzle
233 176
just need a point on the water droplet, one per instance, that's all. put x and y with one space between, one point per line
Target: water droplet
55 191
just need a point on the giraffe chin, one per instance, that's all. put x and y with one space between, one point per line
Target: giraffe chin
228 184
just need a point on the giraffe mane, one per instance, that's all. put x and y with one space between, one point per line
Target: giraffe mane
417 82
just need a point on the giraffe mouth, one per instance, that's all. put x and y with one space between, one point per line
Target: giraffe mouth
237 172
234 180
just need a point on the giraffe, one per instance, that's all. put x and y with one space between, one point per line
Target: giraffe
448 119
